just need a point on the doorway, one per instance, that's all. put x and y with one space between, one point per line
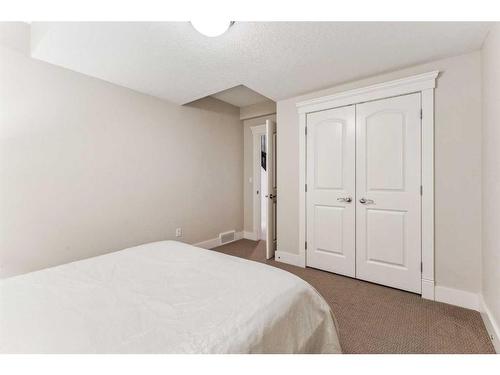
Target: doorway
379 224
363 197
264 185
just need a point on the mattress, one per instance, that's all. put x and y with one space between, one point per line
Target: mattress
164 297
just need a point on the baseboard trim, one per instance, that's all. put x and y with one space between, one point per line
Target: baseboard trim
250 236
289 258
457 297
215 242
491 325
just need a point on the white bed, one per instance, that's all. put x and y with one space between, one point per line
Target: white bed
164 297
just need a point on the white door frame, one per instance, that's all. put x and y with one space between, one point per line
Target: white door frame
257 132
421 83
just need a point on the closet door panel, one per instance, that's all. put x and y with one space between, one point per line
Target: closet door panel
388 179
330 190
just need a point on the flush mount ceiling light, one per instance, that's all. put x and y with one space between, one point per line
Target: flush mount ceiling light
212 28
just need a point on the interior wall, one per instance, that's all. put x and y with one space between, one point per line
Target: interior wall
248 190
266 108
491 175
87 167
457 167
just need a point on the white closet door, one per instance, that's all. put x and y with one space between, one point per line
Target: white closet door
330 190
388 179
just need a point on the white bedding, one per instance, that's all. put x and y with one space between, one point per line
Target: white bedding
164 297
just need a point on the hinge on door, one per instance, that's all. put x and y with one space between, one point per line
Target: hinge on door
305 245
306 130
421 115
421 267
306 188
421 190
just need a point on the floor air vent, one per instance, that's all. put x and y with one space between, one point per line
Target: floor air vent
227 237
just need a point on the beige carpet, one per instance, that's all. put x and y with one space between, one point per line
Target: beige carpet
377 319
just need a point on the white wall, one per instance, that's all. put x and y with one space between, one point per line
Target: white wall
248 190
266 108
15 35
491 176
457 167
87 167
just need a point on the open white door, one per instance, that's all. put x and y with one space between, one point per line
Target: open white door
271 188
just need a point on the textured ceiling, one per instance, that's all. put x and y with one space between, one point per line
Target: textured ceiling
240 96
173 61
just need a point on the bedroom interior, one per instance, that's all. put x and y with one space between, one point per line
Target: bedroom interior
249 187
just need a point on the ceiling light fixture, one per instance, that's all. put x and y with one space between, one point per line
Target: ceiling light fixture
212 28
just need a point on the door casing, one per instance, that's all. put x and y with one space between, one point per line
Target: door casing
423 84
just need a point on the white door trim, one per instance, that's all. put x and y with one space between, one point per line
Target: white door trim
423 83
257 132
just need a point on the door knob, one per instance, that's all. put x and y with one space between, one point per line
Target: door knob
366 201
347 200
272 196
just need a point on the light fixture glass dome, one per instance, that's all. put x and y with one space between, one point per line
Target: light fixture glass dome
211 28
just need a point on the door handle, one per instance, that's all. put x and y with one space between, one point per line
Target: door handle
347 199
366 201
272 196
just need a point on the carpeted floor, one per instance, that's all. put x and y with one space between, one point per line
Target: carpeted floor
376 319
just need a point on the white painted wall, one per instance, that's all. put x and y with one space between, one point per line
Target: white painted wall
457 167
15 35
266 108
87 167
491 177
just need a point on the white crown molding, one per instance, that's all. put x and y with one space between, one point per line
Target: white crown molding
400 86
